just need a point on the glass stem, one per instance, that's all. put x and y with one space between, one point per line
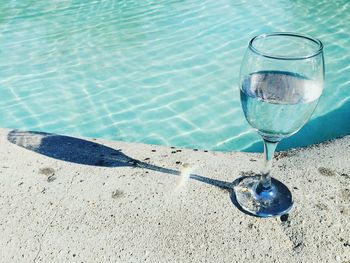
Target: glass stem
265 178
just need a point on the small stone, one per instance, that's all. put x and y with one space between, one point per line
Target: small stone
51 178
284 217
117 193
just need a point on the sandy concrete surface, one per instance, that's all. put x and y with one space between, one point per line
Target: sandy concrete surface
65 199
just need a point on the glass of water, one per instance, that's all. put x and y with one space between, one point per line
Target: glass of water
281 81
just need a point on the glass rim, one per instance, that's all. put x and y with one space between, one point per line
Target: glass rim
319 48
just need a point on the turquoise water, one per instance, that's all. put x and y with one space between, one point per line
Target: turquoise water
160 72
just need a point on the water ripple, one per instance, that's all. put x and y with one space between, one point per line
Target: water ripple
161 72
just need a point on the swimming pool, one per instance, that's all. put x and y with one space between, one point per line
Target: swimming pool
159 72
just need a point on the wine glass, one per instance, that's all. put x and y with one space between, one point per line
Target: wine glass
281 81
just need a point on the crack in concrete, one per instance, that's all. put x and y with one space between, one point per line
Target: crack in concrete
42 235
206 237
52 218
295 233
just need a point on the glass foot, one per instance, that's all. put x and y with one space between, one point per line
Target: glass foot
261 202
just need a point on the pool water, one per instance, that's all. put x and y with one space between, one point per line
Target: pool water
158 72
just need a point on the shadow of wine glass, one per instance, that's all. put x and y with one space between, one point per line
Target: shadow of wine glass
70 149
86 152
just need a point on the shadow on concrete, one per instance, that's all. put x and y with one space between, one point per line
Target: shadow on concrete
85 152
332 125
70 149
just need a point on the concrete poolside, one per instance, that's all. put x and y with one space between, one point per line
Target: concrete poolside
66 199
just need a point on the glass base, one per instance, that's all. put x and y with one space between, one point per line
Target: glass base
275 201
